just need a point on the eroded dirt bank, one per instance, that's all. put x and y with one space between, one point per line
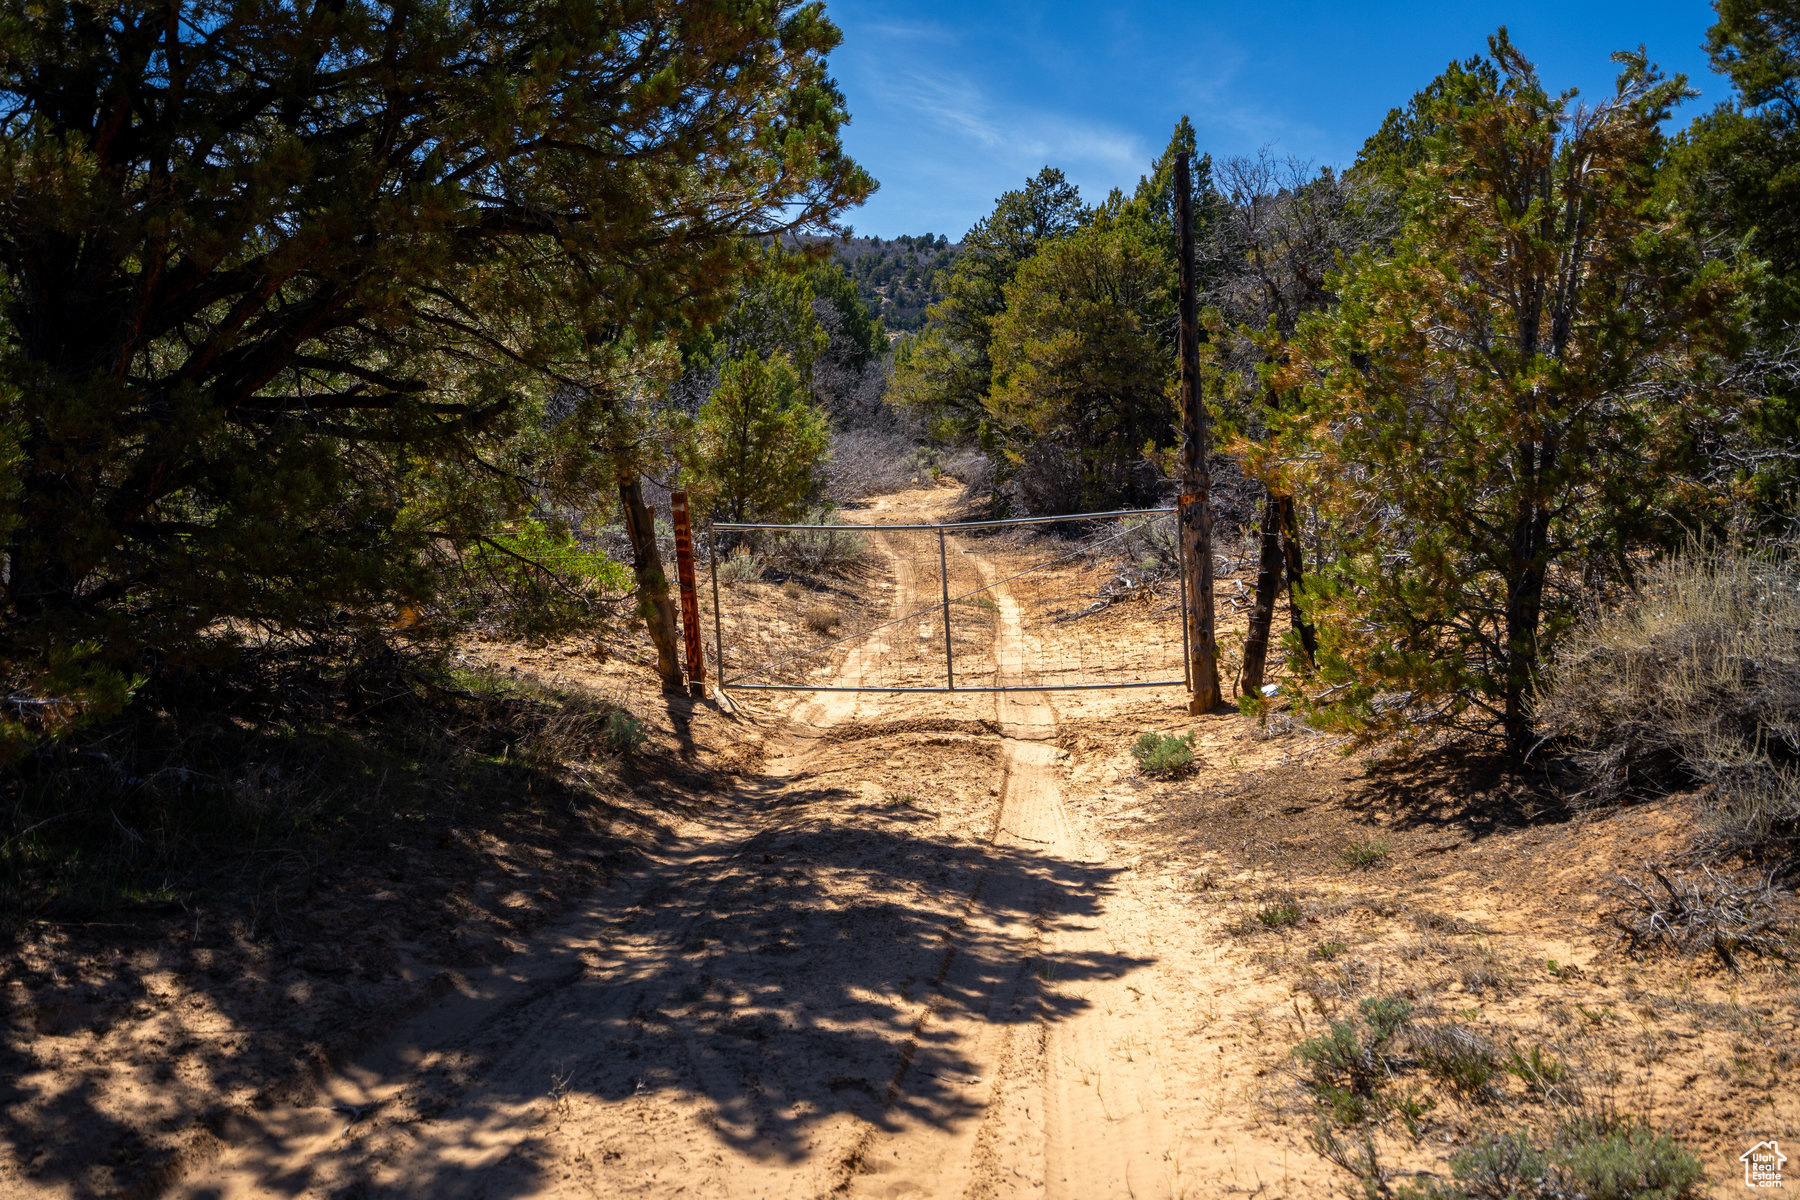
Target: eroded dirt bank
954 945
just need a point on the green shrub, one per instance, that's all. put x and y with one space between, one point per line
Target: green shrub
1279 915
1326 951
1461 1059
740 566
624 733
1628 1162
1347 1060
1501 1167
1364 854
1586 1161
1161 754
1385 1018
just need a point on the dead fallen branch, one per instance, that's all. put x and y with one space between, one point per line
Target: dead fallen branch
1694 913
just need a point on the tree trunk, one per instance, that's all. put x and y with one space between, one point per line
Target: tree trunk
1269 567
654 605
1196 483
1296 581
1524 607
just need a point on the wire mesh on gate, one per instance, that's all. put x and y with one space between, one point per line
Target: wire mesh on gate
1082 601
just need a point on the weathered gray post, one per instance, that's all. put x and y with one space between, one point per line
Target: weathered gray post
1196 504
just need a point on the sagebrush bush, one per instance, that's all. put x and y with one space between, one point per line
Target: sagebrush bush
740 566
815 552
1587 1160
1159 753
1695 679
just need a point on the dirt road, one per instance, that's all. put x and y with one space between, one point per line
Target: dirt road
899 967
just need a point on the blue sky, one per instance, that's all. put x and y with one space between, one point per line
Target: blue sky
953 104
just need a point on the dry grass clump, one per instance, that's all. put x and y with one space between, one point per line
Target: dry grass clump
820 619
1696 679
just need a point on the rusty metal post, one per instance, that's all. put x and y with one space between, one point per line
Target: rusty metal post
690 599
944 579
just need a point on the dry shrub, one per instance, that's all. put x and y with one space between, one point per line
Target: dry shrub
815 552
869 462
1706 911
1695 679
820 619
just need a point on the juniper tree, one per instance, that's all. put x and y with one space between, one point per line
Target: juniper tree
945 372
1505 405
761 446
1083 357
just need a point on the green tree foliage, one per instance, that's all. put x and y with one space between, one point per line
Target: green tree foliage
1738 167
269 265
1735 173
864 339
1403 143
946 371
1082 358
1153 203
772 314
760 453
1505 406
897 280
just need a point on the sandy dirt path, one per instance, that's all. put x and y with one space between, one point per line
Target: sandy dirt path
898 968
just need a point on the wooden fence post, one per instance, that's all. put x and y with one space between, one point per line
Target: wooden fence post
1196 485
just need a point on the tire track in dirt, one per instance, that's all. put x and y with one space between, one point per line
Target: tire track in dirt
1070 1100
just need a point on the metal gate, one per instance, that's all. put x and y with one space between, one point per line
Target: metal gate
1083 601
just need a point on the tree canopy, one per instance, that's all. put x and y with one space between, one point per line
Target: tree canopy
263 262
1508 403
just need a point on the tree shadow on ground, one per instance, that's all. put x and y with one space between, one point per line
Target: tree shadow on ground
1460 787
782 984
233 896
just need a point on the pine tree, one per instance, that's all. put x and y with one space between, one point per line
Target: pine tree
761 446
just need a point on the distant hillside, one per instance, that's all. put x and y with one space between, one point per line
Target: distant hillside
894 275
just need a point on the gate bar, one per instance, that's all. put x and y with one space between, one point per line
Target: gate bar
1187 665
944 583
712 556
1066 517
1011 687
